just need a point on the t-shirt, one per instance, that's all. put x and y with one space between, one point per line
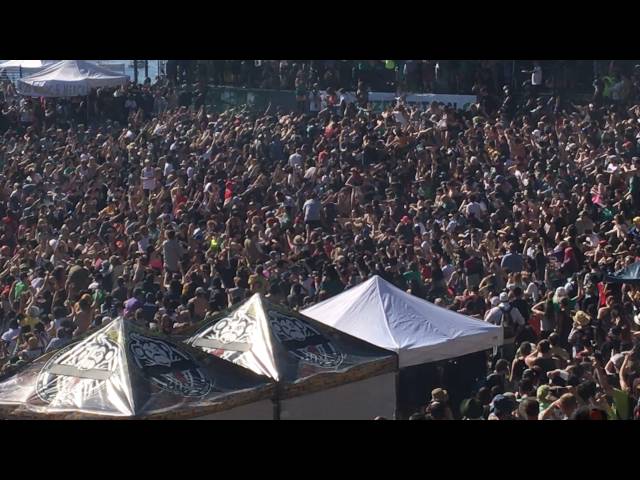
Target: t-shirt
512 262
132 305
148 178
311 210
171 251
621 404
295 160
17 292
149 311
411 275
9 337
536 76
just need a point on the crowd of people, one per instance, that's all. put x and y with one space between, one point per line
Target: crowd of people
151 206
433 76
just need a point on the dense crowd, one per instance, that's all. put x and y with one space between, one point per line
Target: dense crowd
143 203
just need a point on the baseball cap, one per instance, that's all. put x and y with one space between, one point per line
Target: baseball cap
502 404
504 297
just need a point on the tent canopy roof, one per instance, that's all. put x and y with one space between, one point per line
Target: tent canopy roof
26 63
69 78
630 274
277 342
419 331
122 370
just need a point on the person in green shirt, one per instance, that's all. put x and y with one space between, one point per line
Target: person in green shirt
412 274
622 399
20 286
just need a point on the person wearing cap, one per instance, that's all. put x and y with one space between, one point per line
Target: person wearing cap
510 318
502 408
634 231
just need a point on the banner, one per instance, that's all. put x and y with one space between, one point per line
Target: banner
379 101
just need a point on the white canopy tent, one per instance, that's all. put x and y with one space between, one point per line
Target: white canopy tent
419 331
26 64
69 78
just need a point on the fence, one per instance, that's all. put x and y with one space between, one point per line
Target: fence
222 98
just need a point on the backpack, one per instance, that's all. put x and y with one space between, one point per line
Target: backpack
507 323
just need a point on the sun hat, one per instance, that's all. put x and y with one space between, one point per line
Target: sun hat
581 319
439 395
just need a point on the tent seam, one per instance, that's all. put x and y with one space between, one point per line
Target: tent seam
384 314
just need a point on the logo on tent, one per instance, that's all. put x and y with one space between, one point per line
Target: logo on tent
78 372
304 342
167 367
229 338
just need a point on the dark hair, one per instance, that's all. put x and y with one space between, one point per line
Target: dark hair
544 346
484 395
526 386
587 390
529 407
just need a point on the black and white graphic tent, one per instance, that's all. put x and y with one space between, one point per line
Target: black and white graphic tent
125 371
321 372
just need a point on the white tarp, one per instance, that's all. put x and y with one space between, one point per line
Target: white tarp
69 78
419 331
26 64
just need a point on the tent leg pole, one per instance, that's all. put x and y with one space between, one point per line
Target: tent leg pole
397 414
276 402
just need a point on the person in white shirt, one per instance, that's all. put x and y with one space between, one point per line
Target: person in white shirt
9 338
497 316
536 74
295 159
148 177
447 272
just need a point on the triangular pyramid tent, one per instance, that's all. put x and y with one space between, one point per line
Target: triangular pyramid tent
69 78
321 373
630 274
125 371
419 331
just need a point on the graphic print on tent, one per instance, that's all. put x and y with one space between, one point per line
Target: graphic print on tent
167 367
78 370
230 337
304 342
